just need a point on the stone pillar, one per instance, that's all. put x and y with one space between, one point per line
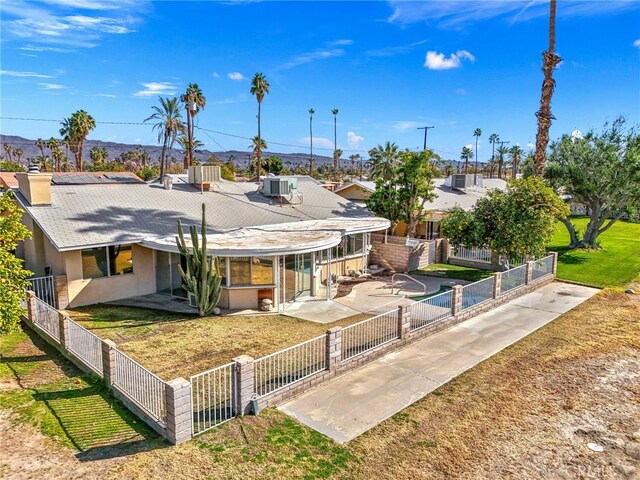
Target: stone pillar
404 322
456 300
446 250
108 361
334 348
178 407
62 291
31 306
529 272
554 268
244 383
497 284
64 330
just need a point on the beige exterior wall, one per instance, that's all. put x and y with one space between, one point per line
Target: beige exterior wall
342 267
98 290
354 192
38 252
240 298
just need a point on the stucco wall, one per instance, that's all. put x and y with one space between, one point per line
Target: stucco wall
97 290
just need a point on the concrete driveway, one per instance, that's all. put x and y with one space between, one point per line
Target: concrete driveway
350 405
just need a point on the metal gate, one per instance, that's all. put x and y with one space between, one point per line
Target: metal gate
213 398
44 288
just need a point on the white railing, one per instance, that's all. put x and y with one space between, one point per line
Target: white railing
146 389
542 267
44 289
477 292
430 310
368 334
513 278
85 346
47 318
474 254
290 365
212 398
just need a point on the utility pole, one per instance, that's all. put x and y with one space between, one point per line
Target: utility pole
426 129
501 158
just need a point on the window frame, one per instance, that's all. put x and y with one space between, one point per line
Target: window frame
106 250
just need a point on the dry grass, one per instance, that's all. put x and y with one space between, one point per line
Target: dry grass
173 345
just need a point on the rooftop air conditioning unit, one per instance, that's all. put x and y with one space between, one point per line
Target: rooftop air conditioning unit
204 174
462 181
279 186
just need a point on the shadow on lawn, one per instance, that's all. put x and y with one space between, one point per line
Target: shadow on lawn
105 317
93 421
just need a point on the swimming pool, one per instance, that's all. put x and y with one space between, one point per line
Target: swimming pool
443 289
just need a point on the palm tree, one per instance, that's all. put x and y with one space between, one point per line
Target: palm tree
168 124
18 153
383 161
476 133
259 88
337 153
354 160
311 112
257 145
8 150
493 139
41 144
549 62
502 151
194 101
335 130
74 131
186 144
98 155
466 155
516 154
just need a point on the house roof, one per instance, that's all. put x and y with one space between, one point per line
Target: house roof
448 198
364 184
8 180
81 216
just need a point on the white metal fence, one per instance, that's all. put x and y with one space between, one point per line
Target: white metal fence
290 365
473 254
513 278
47 318
212 398
85 345
146 389
44 289
368 334
430 310
542 267
477 292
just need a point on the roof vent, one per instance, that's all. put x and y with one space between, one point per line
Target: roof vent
279 186
462 181
204 175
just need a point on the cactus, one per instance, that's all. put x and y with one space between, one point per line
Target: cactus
202 278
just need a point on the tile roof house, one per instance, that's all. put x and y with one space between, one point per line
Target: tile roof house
108 236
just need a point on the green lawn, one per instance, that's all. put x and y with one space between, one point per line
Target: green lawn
446 270
616 265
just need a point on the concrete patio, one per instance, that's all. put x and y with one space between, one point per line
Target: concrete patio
348 406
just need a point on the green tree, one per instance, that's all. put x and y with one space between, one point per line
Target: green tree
600 171
13 276
466 155
502 151
516 153
259 88
336 163
98 155
8 150
6 166
274 165
168 124
41 144
194 101
493 139
189 145
257 146
383 161
74 131
517 222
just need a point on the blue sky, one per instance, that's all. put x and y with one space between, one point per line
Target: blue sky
389 67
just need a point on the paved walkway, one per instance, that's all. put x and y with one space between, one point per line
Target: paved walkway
350 405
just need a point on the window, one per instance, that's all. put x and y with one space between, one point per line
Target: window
240 270
251 270
223 270
107 261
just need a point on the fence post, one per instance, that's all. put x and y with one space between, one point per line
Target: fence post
244 383
178 408
404 321
445 250
64 330
108 361
31 306
456 300
333 354
528 277
554 260
61 289
497 284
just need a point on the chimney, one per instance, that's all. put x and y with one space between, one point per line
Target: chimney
35 186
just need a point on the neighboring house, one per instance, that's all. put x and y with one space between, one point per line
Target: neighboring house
109 236
447 198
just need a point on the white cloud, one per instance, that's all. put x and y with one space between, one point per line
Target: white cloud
461 91
354 140
391 51
228 101
317 142
235 76
637 43
470 145
576 134
404 125
105 95
530 145
156 88
437 61
34 48
51 86
309 57
345 41
215 75
13 73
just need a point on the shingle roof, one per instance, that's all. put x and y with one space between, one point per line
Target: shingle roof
449 198
84 215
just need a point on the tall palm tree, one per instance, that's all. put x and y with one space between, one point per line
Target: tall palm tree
53 144
257 146
188 145
466 155
354 160
74 131
549 62
493 139
168 124
259 88
516 153
194 101
383 161
8 150
502 151
311 112
41 144
337 153
18 154
476 133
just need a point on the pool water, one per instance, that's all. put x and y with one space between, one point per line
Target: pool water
443 289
